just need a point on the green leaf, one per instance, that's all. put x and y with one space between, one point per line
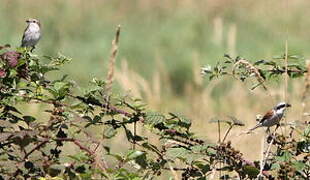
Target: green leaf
109 132
275 166
29 119
138 138
203 167
96 119
173 153
154 118
200 148
55 170
286 156
299 165
303 146
307 131
142 161
60 85
80 157
183 121
133 154
191 158
150 147
251 171
117 157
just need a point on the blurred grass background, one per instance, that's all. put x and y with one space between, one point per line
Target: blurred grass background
163 44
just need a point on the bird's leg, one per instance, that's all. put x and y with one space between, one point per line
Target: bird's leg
275 130
32 48
278 125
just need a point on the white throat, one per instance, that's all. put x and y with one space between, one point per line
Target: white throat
280 111
34 27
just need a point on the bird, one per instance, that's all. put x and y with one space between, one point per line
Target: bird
272 117
32 34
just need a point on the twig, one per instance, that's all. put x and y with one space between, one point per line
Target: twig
227 132
110 107
112 59
219 141
134 134
173 172
35 148
101 165
175 169
252 69
264 158
306 92
286 77
219 131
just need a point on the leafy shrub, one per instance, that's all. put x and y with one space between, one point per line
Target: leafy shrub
33 147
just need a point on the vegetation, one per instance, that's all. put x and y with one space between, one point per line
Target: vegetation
80 127
34 148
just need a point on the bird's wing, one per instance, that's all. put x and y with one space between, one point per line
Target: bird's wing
23 39
268 115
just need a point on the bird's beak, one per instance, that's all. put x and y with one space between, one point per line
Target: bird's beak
288 105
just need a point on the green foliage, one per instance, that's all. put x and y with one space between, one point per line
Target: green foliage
260 70
33 147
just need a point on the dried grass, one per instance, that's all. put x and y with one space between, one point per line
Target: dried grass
110 76
306 94
231 39
199 103
251 69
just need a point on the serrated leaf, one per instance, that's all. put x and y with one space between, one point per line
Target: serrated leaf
173 153
154 118
183 121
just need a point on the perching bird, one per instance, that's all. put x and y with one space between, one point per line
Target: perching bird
32 33
273 116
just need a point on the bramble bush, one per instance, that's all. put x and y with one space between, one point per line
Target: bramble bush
32 147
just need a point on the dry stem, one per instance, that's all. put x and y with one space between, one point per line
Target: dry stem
252 69
112 59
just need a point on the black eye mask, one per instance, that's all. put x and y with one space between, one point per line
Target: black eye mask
281 106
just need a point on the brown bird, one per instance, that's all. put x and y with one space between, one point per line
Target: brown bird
273 116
